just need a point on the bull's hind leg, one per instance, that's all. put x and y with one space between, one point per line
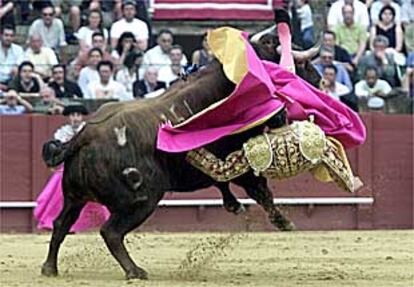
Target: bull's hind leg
257 189
61 226
231 204
114 231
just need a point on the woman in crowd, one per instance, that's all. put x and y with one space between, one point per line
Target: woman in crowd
89 73
126 44
95 24
50 201
129 73
202 56
388 27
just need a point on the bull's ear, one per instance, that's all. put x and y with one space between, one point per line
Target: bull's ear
281 16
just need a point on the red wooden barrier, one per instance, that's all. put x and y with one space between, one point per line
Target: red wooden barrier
385 163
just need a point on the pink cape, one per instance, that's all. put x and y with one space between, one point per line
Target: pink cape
50 203
265 89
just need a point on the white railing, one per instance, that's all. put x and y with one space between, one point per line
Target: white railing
219 202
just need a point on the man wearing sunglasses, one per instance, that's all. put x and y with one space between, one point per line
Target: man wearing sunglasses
50 29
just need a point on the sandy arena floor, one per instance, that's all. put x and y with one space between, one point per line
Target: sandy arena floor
345 258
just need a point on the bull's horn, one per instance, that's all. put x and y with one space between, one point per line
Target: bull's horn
303 55
256 37
310 53
307 54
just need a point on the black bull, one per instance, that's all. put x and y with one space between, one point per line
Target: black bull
130 176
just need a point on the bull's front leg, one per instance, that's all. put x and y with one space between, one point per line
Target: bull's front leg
257 189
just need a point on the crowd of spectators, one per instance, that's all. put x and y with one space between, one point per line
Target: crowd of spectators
367 51
368 46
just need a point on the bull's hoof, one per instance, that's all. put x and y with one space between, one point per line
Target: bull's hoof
287 227
283 224
234 207
240 209
49 271
137 273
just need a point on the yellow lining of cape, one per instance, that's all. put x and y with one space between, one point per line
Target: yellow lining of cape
229 48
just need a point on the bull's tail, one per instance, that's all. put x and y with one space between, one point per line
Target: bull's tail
53 152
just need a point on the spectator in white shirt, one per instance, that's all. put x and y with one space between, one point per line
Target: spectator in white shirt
50 29
330 85
159 56
169 74
106 87
130 24
95 24
10 55
43 58
89 73
379 4
306 23
335 16
371 86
